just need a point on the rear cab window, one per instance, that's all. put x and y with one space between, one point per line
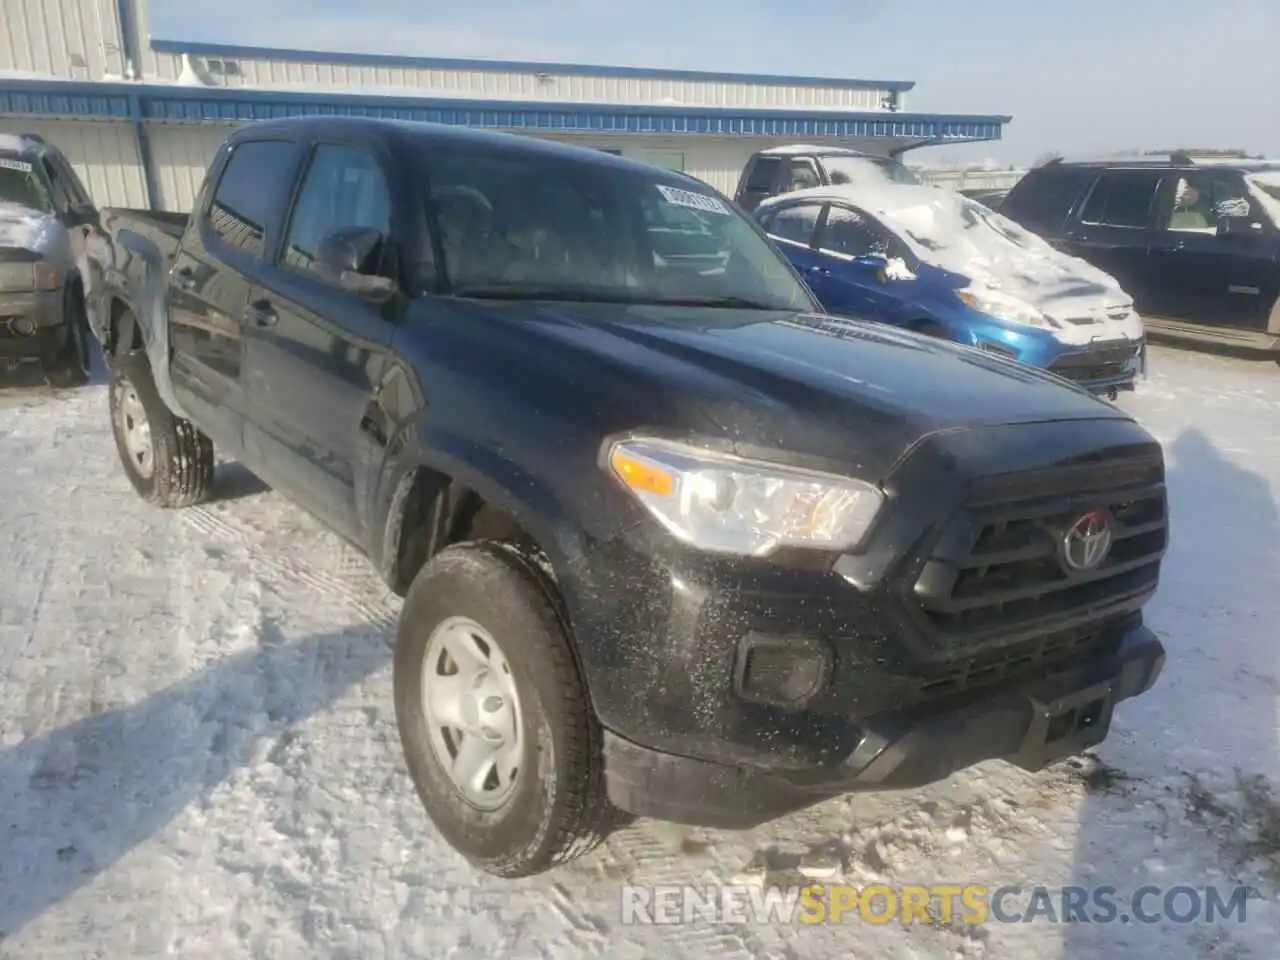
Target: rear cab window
252 193
1122 199
757 184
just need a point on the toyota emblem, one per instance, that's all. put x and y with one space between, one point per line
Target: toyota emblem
1087 542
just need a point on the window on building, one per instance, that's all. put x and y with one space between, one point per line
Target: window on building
795 224
1121 200
671 160
344 188
258 175
853 233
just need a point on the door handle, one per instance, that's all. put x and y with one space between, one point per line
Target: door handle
818 271
261 313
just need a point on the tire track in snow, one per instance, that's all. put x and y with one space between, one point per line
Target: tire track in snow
365 594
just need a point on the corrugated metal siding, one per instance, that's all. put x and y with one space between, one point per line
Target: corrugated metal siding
498 85
44 36
105 155
181 155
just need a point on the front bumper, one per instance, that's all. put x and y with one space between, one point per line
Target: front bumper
1030 725
1103 366
32 325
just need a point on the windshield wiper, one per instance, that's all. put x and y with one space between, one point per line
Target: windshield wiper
567 294
741 303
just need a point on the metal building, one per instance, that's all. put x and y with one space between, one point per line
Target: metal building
140 118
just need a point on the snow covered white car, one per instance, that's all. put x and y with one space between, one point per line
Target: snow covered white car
934 261
46 218
671 540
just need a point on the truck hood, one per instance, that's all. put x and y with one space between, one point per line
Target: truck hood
817 385
23 228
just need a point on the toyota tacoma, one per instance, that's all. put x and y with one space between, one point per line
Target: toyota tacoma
672 542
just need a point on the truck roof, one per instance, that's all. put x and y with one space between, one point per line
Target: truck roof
804 149
439 134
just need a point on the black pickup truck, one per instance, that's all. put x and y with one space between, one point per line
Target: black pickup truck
672 542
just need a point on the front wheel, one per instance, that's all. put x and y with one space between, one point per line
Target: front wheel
168 461
497 731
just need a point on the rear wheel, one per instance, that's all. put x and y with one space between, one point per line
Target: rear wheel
70 368
168 461
497 730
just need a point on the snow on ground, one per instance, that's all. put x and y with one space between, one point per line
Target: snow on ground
198 752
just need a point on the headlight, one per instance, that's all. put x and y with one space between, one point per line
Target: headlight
727 504
1008 309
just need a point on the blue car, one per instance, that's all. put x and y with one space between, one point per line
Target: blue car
933 261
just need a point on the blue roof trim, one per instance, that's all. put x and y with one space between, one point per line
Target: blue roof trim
513 66
174 104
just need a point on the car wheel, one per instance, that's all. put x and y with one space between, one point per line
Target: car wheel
168 461
70 368
497 730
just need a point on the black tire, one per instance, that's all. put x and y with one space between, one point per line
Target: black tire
70 368
562 811
181 473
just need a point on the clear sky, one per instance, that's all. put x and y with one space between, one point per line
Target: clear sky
1079 77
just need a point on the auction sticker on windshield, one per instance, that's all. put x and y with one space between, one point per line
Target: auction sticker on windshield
694 201
20 165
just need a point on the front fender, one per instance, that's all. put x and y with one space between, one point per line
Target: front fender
499 481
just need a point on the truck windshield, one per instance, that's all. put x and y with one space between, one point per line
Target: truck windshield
867 171
22 185
515 227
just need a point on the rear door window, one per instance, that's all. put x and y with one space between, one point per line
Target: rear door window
1203 200
1044 198
252 192
1121 200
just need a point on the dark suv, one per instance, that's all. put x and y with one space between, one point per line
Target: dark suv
1197 245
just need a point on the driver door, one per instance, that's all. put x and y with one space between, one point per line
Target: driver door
848 287
1207 277
315 352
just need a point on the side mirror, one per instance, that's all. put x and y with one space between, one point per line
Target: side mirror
1239 227
342 256
871 262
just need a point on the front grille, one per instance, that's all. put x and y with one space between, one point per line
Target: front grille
1096 364
998 567
1013 663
